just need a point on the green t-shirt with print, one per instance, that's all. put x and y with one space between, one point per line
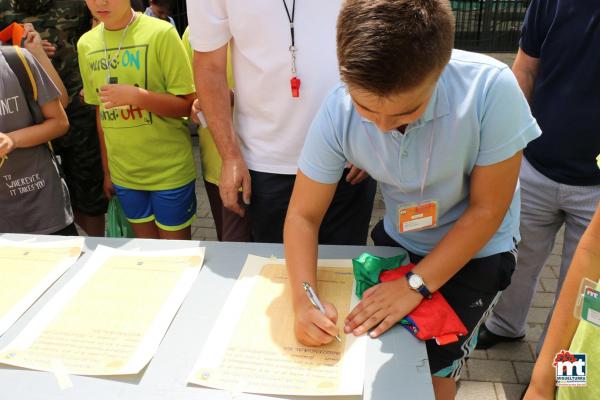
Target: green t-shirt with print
586 340
145 151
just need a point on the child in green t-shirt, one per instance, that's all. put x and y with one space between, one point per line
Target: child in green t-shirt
230 226
136 71
567 333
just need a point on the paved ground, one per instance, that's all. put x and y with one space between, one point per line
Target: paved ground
497 374
502 372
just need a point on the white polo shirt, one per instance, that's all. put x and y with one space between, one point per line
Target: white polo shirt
270 123
477 116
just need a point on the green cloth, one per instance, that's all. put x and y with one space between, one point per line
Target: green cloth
368 267
117 225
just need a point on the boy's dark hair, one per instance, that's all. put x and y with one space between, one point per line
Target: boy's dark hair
388 46
137 5
168 4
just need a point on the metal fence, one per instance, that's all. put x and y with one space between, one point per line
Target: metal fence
488 25
481 25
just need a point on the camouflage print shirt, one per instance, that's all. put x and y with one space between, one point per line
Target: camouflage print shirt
61 22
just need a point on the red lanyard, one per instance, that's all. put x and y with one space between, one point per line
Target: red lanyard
294 82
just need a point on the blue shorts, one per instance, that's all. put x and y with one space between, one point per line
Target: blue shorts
171 210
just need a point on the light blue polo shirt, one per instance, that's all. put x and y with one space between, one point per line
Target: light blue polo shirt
477 116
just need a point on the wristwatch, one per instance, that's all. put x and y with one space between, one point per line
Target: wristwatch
415 282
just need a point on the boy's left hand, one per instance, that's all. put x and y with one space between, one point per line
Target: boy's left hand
7 144
33 41
383 306
117 95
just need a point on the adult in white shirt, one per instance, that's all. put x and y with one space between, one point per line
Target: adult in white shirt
261 143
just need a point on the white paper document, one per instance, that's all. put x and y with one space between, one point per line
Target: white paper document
111 316
252 347
27 270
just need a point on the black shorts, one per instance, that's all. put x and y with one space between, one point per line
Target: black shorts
69 230
79 155
346 221
472 293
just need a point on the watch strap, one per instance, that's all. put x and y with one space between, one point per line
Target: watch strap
423 290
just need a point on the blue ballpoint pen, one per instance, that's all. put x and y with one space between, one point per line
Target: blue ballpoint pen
312 296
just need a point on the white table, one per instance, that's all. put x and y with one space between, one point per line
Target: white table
397 365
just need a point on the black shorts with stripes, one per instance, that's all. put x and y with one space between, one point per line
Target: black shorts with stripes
472 293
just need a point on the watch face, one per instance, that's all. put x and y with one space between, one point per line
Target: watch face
415 281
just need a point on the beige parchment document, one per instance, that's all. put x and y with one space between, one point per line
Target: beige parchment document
252 347
27 270
110 318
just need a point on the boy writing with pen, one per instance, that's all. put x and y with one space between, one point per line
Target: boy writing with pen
442 131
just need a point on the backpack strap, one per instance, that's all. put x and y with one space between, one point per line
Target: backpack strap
17 62
20 66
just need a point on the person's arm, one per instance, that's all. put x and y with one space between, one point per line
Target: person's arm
525 69
492 188
585 264
35 45
210 72
310 200
55 124
163 104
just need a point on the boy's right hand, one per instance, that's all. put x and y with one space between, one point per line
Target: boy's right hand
119 95
313 328
109 190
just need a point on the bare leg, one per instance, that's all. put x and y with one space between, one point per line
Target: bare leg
444 388
146 230
93 225
182 234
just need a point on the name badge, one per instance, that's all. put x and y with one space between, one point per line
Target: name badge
418 217
590 311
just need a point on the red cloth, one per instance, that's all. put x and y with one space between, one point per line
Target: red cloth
433 318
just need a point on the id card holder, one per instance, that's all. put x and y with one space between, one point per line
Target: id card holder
113 80
587 306
417 217
202 119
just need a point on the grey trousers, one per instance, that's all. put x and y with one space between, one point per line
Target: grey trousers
545 206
